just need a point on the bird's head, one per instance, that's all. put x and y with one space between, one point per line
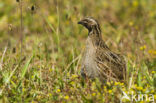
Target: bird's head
90 23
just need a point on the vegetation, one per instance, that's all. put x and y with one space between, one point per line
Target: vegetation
46 66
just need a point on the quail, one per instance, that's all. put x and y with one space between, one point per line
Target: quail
98 61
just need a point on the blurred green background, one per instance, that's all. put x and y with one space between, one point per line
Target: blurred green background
47 69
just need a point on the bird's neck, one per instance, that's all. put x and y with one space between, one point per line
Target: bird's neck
95 36
95 29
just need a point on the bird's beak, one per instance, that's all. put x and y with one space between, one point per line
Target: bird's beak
80 22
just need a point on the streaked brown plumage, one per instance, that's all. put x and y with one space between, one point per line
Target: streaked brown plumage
98 60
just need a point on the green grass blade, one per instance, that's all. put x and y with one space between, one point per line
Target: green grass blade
154 81
24 70
139 78
149 79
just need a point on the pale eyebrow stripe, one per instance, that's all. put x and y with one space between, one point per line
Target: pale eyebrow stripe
92 20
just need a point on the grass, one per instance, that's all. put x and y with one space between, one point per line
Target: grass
48 69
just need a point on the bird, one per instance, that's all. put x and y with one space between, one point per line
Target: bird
98 61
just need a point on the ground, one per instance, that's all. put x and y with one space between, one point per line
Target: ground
43 65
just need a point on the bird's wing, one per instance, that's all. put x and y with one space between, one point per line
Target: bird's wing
110 63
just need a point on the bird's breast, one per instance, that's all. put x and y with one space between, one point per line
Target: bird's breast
89 62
